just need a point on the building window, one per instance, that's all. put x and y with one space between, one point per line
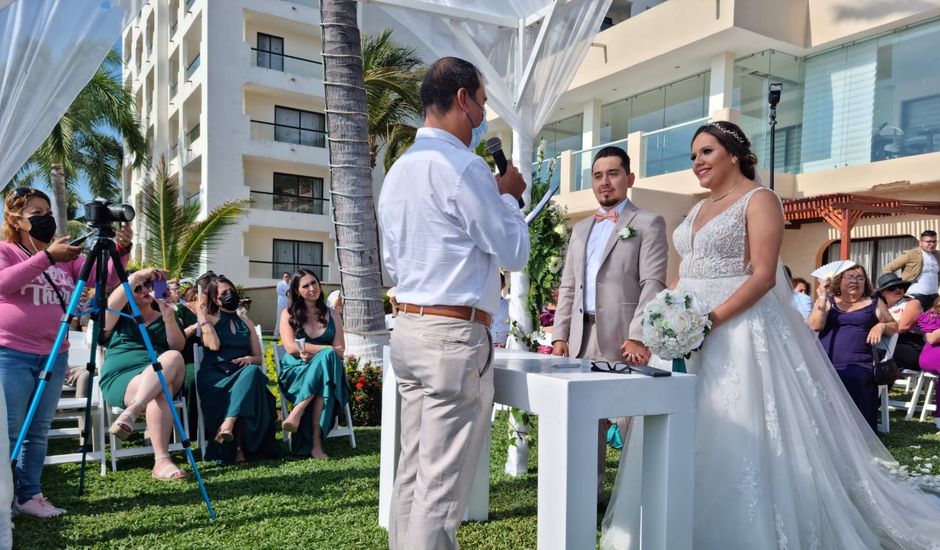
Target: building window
300 127
293 193
872 254
290 255
270 52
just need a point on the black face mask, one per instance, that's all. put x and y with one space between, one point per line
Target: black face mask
229 300
42 228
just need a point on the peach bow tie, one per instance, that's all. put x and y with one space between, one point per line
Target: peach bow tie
612 216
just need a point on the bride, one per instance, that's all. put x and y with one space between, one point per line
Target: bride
783 457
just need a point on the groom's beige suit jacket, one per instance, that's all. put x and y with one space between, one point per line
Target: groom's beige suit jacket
632 272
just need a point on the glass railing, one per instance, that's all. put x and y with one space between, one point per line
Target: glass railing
667 150
189 3
192 135
173 27
289 203
258 269
173 88
584 160
174 150
311 3
192 198
268 131
191 68
548 170
286 63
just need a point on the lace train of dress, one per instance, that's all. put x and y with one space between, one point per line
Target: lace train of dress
784 459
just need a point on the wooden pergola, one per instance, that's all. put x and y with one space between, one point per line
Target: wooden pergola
843 210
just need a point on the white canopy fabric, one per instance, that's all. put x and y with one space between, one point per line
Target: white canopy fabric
528 52
50 49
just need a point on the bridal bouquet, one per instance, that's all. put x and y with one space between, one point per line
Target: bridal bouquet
675 324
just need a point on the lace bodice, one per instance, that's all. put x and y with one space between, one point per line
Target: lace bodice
718 249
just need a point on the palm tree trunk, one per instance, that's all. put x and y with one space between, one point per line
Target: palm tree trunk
59 199
357 240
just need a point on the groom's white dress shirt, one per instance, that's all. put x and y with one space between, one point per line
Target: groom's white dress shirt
600 234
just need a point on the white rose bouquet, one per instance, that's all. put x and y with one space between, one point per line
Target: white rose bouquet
675 324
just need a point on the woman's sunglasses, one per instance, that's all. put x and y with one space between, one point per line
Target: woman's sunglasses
146 284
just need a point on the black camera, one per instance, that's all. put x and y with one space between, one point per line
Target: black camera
101 212
774 91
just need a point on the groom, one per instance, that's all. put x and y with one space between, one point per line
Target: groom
616 263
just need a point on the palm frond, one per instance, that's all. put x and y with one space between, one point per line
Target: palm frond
205 235
160 208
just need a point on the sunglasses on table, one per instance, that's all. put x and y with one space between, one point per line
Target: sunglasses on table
604 366
146 284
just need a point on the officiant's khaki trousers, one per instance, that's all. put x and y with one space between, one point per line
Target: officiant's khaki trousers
446 386
590 350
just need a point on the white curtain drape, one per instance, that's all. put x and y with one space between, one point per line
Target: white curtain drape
50 49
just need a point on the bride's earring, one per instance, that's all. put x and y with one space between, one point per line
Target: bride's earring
734 161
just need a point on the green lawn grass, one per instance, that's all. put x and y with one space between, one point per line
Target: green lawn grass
299 503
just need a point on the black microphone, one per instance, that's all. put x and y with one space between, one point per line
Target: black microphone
494 146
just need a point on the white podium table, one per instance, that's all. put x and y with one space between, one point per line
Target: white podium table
569 401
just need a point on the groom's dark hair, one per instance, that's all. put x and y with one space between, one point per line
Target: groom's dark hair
611 151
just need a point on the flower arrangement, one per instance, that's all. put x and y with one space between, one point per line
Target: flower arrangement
675 324
365 392
548 238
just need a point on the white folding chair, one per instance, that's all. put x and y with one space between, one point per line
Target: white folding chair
119 450
200 421
71 409
888 344
337 431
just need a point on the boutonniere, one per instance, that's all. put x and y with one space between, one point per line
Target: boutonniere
627 232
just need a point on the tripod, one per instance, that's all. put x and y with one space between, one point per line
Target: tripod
101 252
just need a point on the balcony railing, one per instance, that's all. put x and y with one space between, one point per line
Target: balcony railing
584 161
311 3
173 27
192 135
286 63
189 3
268 131
173 88
174 150
667 150
258 269
149 49
191 198
191 68
289 203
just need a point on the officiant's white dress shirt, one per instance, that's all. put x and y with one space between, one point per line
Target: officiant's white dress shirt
446 230
600 234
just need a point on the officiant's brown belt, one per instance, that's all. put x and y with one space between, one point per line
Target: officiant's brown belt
590 318
465 313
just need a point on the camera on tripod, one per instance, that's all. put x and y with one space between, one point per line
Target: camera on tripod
102 213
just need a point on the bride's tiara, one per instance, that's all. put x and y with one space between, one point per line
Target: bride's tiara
730 132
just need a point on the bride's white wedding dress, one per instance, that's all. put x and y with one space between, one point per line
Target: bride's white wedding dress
783 457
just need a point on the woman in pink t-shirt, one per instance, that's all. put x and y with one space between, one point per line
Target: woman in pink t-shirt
37 278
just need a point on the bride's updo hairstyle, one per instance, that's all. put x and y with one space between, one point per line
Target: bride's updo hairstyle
732 138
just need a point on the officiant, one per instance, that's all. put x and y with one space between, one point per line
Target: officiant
447 227
615 264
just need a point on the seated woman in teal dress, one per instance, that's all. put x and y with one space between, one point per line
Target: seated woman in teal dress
312 374
233 389
127 378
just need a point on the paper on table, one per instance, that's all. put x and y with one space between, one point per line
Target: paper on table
832 269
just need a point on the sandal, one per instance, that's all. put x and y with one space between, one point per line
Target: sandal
123 430
223 436
169 471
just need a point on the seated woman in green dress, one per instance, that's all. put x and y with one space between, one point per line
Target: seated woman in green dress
312 374
233 389
127 378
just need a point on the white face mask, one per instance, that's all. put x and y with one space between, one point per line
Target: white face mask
476 135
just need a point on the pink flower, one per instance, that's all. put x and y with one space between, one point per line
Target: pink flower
545 350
